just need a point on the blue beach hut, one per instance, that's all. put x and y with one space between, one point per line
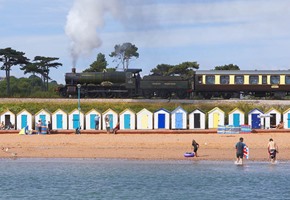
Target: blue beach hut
42 115
236 117
113 116
179 118
254 118
144 120
59 120
24 118
75 119
286 118
162 119
90 119
127 119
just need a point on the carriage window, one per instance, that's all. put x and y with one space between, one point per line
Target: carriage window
239 79
225 79
254 80
264 80
275 79
287 79
210 79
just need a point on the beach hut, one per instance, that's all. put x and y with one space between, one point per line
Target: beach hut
216 117
286 118
59 120
8 118
144 119
90 119
179 118
255 120
162 119
196 119
23 119
127 119
75 119
273 120
236 117
113 116
42 115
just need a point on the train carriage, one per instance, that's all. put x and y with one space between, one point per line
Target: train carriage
233 83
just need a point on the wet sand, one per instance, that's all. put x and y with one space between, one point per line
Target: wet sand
140 146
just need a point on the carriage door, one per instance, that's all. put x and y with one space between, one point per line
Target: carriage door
23 121
127 121
273 121
161 120
144 121
76 119
59 121
236 117
215 120
92 121
196 120
178 120
256 121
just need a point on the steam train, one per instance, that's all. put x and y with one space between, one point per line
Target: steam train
203 84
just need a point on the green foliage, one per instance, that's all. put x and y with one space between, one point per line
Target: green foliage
99 65
125 53
227 67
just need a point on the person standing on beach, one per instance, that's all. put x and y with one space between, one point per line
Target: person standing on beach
195 147
39 124
97 122
240 151
107 122
272 149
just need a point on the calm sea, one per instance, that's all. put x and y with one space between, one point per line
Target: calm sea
126 179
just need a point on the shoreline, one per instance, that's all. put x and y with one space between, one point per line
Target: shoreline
213 147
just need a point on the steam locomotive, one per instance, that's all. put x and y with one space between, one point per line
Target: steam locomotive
203 84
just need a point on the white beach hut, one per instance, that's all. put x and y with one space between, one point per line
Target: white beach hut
90 119
196 119
8 117
75 119
216 117
286 118
255 120
59 120
179 118
23 119
113 116
127 119
144 120
162 119
44 116
236 117
274 119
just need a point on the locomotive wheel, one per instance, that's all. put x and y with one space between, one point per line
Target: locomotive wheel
147 94
181 94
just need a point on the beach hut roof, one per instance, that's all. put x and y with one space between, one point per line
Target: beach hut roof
179 108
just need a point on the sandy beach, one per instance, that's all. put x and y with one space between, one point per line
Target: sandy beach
139 146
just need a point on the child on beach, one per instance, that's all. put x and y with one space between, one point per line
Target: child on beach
195 147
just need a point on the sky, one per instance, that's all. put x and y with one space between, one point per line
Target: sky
253 34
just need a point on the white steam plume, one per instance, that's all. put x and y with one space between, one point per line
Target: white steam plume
83 20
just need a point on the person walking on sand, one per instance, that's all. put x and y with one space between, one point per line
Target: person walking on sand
240 151
272 149
195 147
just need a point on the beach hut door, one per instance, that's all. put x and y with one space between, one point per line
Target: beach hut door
178 121
92 121
75 121
58 121
236 117
215 120
127 121
23 121
144 121
273 121
256 121
288 120
196 119
7 120
161 120
43 119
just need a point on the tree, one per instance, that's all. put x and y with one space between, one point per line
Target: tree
162 70
10 57
99 65
41 65
227 67
125 53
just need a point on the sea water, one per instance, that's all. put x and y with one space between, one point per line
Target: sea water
131 179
